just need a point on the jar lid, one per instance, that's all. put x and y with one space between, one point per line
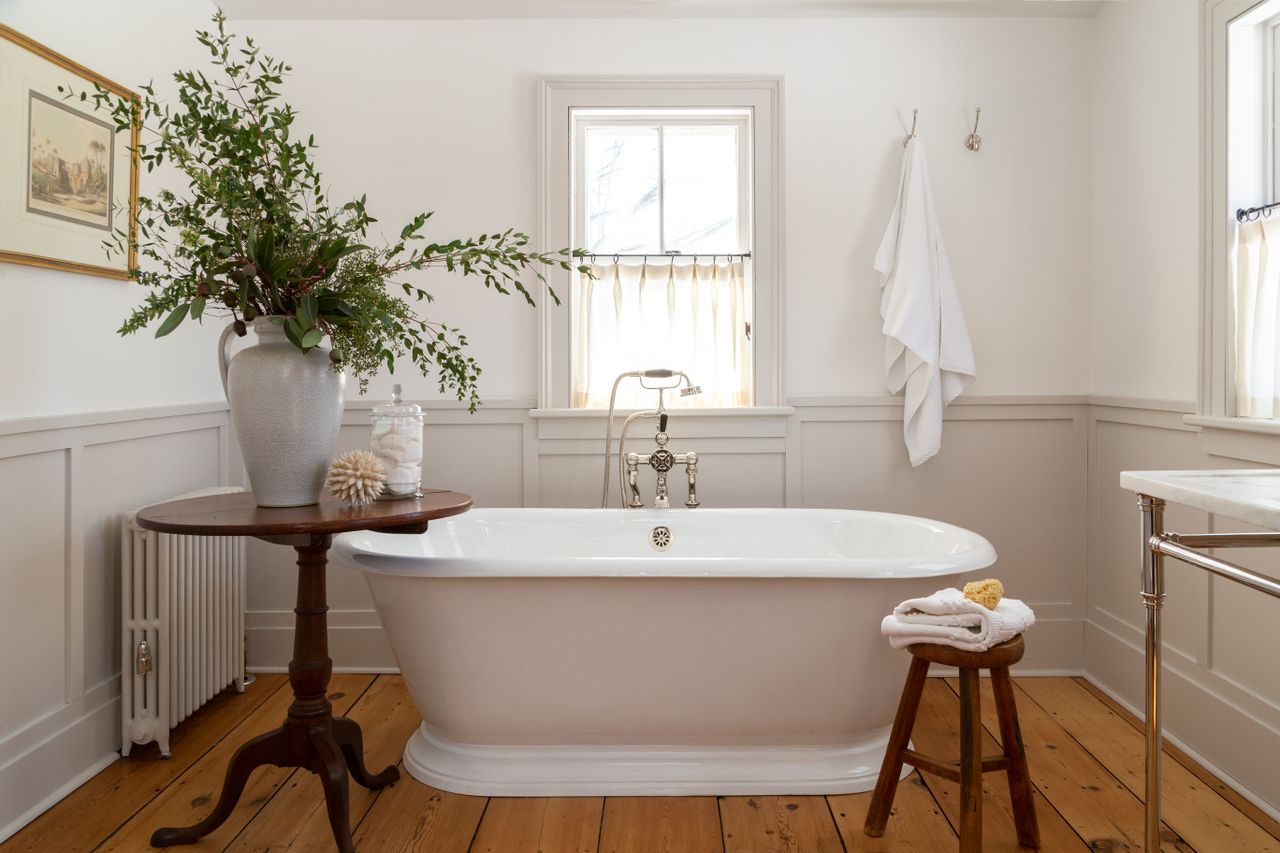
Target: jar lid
397 406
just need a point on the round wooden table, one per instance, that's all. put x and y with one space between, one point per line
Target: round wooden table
311 737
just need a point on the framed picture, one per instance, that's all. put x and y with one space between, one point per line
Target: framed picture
68 180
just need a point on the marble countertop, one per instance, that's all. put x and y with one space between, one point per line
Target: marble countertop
1250 495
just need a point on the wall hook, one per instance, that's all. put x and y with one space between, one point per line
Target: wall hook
912 135
973 141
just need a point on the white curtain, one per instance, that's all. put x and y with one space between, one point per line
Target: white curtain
683 316
1255 287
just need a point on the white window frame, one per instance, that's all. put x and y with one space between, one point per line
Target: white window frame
1222 191
1270 56
558 97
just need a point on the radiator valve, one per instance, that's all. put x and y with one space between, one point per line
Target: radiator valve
142 662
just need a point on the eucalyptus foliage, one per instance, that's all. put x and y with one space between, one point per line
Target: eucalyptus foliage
254 233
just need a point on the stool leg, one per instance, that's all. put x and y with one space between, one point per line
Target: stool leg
1024 806
887 783
970 762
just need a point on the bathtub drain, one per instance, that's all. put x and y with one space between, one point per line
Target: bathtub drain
660 538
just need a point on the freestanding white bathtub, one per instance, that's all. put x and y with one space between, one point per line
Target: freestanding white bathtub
560 652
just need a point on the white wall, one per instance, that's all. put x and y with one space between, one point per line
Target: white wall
59 348
1145 206
442 114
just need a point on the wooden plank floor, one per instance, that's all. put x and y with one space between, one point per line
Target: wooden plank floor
1085 754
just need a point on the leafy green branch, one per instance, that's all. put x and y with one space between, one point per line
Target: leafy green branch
253 234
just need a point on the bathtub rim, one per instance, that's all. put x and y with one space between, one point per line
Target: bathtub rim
347 550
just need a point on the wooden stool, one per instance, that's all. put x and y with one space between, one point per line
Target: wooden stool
972 764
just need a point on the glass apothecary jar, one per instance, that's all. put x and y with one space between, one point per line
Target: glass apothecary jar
396 439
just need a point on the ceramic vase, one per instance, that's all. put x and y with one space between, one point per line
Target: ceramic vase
286 406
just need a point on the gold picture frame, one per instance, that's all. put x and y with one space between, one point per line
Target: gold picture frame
62 162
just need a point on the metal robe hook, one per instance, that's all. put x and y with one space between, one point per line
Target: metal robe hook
973 141
912 135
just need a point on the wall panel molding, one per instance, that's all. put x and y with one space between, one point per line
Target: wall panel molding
1216 707
110 462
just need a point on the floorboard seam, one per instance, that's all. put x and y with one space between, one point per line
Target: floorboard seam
600 829
475 833
933 795
831 813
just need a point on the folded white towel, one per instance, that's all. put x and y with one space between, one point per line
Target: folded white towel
949 619
927 348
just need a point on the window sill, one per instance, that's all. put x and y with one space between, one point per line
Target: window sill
746 429
1257 426
735 412
1248 439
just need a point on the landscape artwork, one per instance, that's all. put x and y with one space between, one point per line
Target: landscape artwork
71 160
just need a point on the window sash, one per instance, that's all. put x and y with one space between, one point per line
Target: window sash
587 118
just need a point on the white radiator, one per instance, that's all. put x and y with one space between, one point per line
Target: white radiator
182 618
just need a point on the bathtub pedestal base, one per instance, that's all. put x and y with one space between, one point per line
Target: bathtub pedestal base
610 770
311 737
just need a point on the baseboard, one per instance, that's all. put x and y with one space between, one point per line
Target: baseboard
356 670
1194 755
353 647
49 770
1193 710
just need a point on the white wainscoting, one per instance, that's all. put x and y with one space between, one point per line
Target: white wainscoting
999 454
67 482
1221 689
1013 468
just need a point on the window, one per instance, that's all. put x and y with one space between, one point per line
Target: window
1253 281
662 200
673 185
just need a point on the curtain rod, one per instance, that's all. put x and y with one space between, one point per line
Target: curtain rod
668 255
1249 214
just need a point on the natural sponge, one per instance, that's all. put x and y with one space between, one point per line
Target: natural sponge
986 592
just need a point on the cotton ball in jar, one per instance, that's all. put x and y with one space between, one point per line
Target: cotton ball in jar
396 439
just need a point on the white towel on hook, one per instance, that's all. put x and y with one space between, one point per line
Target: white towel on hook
927 348
948 618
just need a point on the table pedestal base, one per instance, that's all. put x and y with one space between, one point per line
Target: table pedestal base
311 737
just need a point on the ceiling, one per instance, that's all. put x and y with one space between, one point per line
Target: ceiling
463 9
